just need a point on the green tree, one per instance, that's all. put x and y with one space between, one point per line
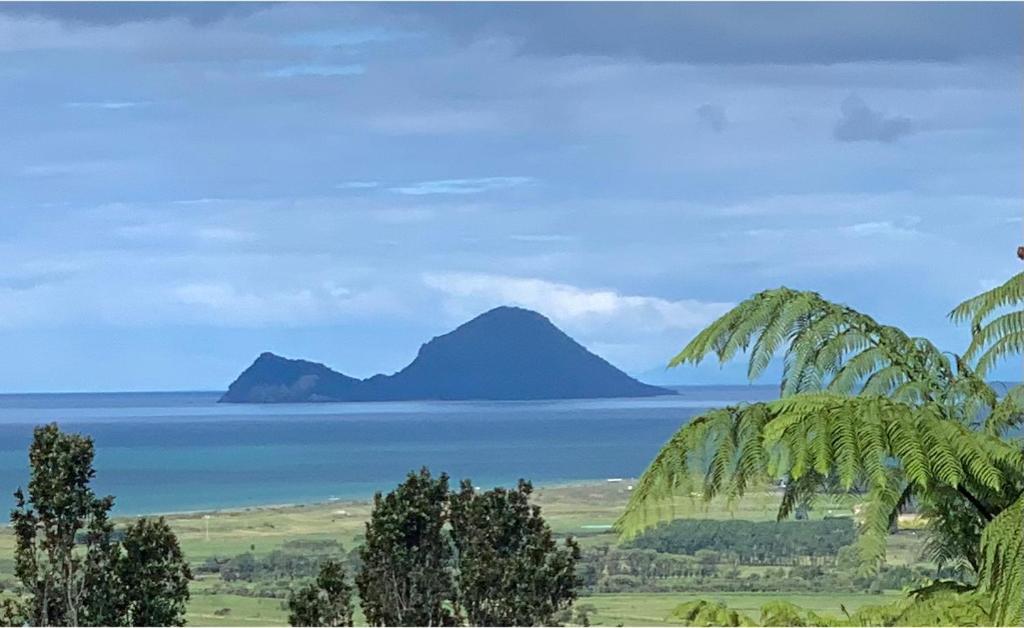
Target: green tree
106 603
59 505
153 575
511 571
406 578
140 582
873 408
12 612
325 602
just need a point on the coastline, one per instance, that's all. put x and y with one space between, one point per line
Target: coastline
618 482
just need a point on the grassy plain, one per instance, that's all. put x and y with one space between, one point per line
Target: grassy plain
586 511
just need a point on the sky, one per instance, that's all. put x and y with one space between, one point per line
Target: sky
184 186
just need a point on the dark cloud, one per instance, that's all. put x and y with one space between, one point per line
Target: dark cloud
741 32
111 13
862 123
713 116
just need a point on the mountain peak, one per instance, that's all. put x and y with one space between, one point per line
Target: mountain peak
506 353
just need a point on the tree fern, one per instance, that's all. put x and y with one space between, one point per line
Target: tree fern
890 447
825 346
994 339
869 407
1002 571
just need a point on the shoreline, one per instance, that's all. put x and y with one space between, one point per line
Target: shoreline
188 514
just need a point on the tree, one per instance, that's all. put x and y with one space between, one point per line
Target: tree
142 581
882 413
106 603
59 505
511 572
153 575
325 602
406 579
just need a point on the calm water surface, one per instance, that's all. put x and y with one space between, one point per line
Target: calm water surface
164 452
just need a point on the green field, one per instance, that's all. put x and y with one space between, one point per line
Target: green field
586 511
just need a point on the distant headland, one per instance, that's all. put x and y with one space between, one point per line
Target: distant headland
507 353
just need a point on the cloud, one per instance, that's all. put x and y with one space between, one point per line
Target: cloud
357 185
106 104
713 116
352 69
221 303
543 237
223 234
462 186
334 38
883 228
438 122
861 123
741 33
565 303
108 14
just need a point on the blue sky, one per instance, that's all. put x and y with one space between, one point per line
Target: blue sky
183 186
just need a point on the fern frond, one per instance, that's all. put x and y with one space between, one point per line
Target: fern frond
1007 413
978 308
824 345
993 340
1002 569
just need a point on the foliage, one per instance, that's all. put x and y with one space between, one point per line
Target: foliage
813 435
406 579
753 543
780 613
885 415
704 613
12 612
325 602
994 339
942 604
107 602
511 572
141 580
153 575
59 504
292 561
1002 570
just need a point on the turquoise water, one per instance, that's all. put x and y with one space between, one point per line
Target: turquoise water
167 452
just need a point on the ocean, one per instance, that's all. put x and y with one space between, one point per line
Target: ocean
183 451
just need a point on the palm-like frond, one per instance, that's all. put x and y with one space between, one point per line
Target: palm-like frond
1002 569
1007 412
994 338
890 447
825 346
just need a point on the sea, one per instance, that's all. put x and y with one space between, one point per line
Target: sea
169 452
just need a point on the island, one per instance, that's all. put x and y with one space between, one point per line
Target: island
505 354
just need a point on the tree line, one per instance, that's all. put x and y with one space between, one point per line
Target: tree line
754 542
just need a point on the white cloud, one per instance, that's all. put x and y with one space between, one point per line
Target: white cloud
317 71
883 228
462 186
222 303
223 234
356 185
543 237
437 122
569 304
106 104
632 332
